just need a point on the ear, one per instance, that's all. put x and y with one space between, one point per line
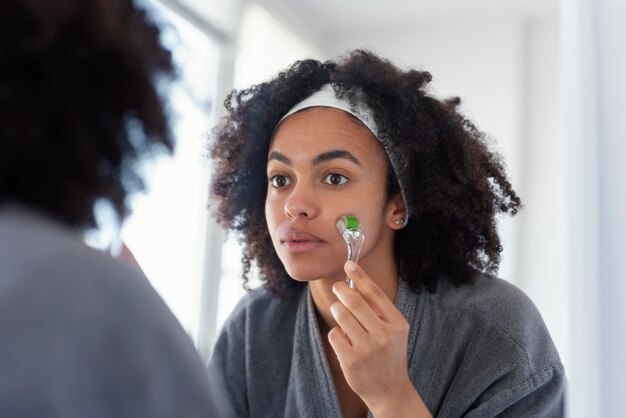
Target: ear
395 214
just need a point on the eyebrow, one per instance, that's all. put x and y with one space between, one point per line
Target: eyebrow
323 157
275 155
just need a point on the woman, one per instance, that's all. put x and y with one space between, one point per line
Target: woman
428 330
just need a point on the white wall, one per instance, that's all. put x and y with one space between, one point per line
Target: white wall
266 47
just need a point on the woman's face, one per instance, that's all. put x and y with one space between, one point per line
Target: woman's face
322 164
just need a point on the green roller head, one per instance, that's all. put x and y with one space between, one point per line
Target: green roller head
352 222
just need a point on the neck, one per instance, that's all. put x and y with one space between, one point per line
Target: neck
382 270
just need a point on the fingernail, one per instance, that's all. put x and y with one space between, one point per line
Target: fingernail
335 287
351 266
334 310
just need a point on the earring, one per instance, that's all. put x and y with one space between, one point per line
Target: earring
399 221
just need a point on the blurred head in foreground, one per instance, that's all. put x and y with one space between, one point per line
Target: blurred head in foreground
79 103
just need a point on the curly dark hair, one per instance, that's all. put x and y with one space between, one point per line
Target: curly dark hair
453 183
80 103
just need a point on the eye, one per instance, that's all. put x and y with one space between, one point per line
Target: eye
335 179
279 181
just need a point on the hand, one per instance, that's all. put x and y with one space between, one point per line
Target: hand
371 345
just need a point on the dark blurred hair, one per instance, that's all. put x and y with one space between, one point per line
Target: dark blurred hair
453 183
79 103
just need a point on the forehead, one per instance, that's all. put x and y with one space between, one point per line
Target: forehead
319 129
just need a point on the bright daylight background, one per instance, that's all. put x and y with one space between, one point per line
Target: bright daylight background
534 74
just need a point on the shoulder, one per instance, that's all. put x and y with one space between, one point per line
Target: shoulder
266 324
504 313
41 254
496 299
99 320
262 313
52 273
259 317
495 353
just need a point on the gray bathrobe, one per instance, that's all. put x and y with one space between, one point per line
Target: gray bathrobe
474 351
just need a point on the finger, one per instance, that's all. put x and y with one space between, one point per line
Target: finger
340 344
357 306
349 324
371 292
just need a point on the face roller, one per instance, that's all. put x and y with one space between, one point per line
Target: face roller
352 233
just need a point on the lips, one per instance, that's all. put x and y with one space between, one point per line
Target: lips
297 242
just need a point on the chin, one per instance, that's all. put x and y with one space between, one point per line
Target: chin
305 274
313 265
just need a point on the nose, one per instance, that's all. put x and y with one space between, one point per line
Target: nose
301 203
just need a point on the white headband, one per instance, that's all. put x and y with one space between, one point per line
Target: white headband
326 97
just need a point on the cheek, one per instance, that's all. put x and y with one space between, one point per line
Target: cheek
372 219
271 216
372 226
